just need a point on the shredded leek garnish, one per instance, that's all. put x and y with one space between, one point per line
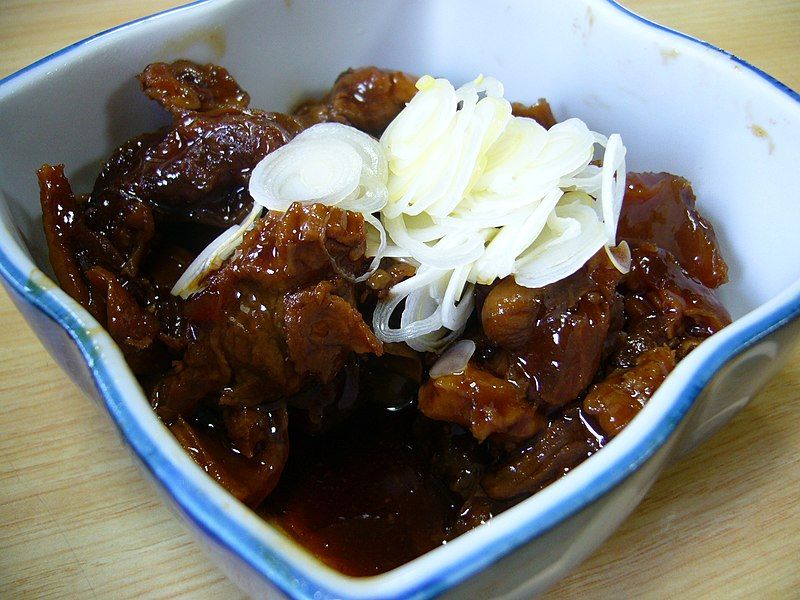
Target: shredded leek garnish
476 194
458 187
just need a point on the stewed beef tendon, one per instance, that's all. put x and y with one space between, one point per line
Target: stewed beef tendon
270 376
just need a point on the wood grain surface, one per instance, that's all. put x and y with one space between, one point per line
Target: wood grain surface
77 519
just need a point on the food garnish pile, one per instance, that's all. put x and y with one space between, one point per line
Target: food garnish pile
393 313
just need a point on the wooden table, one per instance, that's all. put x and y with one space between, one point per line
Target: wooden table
77 519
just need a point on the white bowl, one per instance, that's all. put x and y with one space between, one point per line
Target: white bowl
681 106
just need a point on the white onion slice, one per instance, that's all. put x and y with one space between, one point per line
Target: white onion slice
424 120
421 321
456 302
368 148
620 256
213 256
397 294
454 360
612 188
498 260
572 236
434 144
588 180
450 251
376 250
569 148
329 163
306 172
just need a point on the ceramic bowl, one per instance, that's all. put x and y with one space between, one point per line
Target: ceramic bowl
680 105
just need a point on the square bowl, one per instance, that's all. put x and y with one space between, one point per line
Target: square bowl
616 72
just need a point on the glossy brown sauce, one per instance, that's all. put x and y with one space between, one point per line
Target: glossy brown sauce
362 497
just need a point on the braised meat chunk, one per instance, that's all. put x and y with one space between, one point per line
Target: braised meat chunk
368 99
554 337
67 236
567 441
276 319
183 86
321 327
102 275
620 396
664 306
250 463
545 346
275 315
660 209
539 112
195 170
483 403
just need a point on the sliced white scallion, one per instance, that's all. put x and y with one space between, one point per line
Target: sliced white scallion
424 277
375 248
328 163
454 360
620 256
476 194
572 236
612 186
213 255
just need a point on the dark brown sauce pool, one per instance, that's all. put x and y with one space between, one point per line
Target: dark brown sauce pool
361 498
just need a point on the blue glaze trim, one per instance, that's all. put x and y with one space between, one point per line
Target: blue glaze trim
766 76
227 532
